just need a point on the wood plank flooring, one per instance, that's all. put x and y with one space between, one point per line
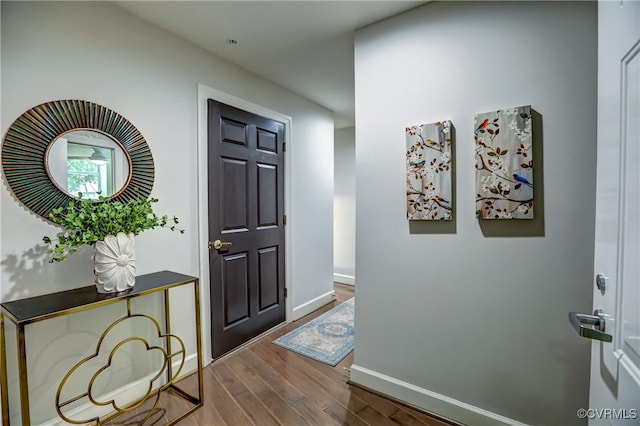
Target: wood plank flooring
264 384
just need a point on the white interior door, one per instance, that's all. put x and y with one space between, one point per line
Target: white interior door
615 365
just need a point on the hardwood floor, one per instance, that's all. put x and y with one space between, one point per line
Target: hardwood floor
264 384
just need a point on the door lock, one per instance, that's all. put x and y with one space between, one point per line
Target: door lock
217 244
601 282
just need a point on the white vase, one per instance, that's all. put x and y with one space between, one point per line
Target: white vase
115 263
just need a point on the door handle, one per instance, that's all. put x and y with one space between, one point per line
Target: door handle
217 244
579 321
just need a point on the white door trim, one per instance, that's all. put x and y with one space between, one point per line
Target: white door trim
205 93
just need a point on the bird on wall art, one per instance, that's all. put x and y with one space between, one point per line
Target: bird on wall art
482 125
522 179
440 199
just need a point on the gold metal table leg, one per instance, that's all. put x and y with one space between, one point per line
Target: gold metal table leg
167 330
199 401
23 377
4 388
196 285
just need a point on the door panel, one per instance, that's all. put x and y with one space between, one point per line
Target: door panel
630 127
614 396
267 203
233 132
235 195
246 209
267 141
268 278
235 274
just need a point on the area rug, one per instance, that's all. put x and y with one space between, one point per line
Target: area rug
328 338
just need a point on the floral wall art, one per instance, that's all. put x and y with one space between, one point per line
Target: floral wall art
429 171
504 164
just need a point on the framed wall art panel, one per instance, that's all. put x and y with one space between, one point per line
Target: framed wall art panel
504 164
429 168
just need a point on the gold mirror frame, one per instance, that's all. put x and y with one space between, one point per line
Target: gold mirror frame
28 139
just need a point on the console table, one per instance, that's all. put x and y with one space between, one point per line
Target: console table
41 308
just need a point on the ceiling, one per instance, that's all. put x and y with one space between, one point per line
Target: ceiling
305 46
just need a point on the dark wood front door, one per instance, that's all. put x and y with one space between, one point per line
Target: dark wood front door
246 214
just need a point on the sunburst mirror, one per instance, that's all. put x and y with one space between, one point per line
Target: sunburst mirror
58 150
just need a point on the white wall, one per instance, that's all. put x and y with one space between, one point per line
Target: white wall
96 51
470 319
344 207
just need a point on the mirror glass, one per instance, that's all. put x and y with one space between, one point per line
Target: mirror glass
88 162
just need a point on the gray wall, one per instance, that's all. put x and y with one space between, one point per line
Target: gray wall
344 206
469 319
98 52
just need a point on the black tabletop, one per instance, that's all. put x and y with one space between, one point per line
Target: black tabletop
41 307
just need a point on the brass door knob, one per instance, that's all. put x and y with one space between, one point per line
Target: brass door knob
217 244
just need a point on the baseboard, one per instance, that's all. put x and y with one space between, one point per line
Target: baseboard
313 304
430 401
128 392
344 279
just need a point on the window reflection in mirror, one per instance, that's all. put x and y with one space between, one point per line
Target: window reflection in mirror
87 162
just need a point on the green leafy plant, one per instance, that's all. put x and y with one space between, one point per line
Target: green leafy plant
87 221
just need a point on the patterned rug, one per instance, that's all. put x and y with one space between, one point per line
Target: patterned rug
328 338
